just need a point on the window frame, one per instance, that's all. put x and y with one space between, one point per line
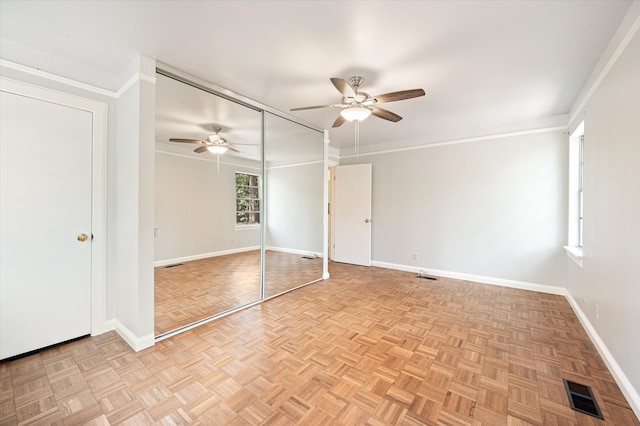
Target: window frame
575 240
258 212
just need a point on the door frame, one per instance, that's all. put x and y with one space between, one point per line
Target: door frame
98 111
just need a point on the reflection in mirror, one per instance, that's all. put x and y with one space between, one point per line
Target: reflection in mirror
294 184
207 255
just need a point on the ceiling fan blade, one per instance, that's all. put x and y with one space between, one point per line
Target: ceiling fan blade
200 149
384 114
316 107
338 121
343 87
234 150
186 140
399 96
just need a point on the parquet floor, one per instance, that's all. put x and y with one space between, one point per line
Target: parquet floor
201 288
368 346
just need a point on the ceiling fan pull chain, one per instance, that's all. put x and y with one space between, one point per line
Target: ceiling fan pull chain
357 139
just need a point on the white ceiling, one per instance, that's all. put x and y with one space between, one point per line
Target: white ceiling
487 66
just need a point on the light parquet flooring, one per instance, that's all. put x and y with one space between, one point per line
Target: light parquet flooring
202 288
368 346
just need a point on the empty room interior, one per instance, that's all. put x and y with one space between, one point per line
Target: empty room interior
321 212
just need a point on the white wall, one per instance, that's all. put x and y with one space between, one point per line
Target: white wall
132 255
610 276
492 208
195 210
294 198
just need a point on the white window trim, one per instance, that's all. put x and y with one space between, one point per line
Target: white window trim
573 249
247 227
575 254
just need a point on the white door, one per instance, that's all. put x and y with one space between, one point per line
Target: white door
45 209
352 214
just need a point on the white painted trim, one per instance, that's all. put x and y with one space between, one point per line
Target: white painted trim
617 45
459 141
325 206
205 158
294 251
574 253
53 77
541 288
74 83
173 261
98 111
133 80
632 396
286 166
137 343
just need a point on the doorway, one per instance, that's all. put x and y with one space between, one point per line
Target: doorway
351 214
51 269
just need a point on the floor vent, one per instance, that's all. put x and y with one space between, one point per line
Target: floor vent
581 399
424 275
174 265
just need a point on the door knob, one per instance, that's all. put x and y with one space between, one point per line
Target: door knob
367 220
82 237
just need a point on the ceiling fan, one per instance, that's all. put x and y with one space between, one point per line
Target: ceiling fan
357 105
214 143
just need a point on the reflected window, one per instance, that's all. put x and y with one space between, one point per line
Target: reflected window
247 199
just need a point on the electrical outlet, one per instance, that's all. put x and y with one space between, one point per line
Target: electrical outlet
415 256
597 311
156 232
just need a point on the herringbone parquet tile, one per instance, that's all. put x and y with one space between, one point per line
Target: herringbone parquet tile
368 346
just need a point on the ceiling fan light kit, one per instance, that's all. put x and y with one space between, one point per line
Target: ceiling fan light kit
355 113
217 149
214 143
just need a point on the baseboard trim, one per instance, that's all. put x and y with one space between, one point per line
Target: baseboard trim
108 325
173 261
541 288
294 251
632 396
136 343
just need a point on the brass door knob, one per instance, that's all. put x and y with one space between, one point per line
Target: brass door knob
82 237
367 220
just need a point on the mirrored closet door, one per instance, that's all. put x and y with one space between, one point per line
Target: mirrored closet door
207 255
236 222
294 171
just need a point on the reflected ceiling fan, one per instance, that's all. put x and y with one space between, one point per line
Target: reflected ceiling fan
357 105
214 143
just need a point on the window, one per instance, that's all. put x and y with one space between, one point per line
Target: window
247 199
580 192
576 194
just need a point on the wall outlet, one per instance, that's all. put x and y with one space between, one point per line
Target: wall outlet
597 311
156 232
415 256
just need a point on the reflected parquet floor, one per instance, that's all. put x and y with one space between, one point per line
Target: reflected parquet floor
201 288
